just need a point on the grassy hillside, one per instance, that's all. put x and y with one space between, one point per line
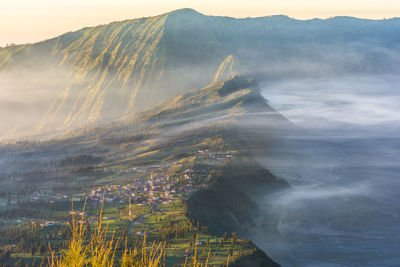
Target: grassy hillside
187 165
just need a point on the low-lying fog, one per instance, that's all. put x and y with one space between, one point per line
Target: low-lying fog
344 205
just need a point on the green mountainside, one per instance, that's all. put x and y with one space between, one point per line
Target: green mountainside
99 73
201 140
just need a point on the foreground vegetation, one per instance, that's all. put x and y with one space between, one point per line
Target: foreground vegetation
101 247
100 250
164 236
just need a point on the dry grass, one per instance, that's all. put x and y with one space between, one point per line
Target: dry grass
99 251
143 258
195 261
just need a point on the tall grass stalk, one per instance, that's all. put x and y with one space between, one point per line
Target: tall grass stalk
195 260
99 251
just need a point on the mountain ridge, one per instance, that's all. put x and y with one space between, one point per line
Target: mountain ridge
107 71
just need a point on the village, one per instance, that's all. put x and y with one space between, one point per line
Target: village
148 186
158 188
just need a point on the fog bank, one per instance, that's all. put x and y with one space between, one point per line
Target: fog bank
343 208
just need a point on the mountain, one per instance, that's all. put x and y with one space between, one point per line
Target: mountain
232 110
99 73
213 133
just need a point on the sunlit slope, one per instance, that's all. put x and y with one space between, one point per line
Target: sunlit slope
110 70
234 103
109 64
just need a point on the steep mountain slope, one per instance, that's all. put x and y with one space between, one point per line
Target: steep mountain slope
106 71
233 109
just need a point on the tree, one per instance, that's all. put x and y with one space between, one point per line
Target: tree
226 236
19 263
21 244
42 248
234 237
43 262
33 250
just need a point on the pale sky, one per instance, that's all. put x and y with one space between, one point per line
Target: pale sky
24 21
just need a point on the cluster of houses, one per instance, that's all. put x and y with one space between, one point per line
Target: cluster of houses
218 156
158 188
37 197
144 191
142 169
47 223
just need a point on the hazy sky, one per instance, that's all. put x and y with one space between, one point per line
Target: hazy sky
34 20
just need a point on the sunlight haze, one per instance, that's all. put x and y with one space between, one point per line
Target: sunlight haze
47 19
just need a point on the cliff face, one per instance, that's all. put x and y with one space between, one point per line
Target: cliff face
229 205
257 259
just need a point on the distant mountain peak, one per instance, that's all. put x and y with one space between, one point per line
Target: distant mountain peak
185 11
